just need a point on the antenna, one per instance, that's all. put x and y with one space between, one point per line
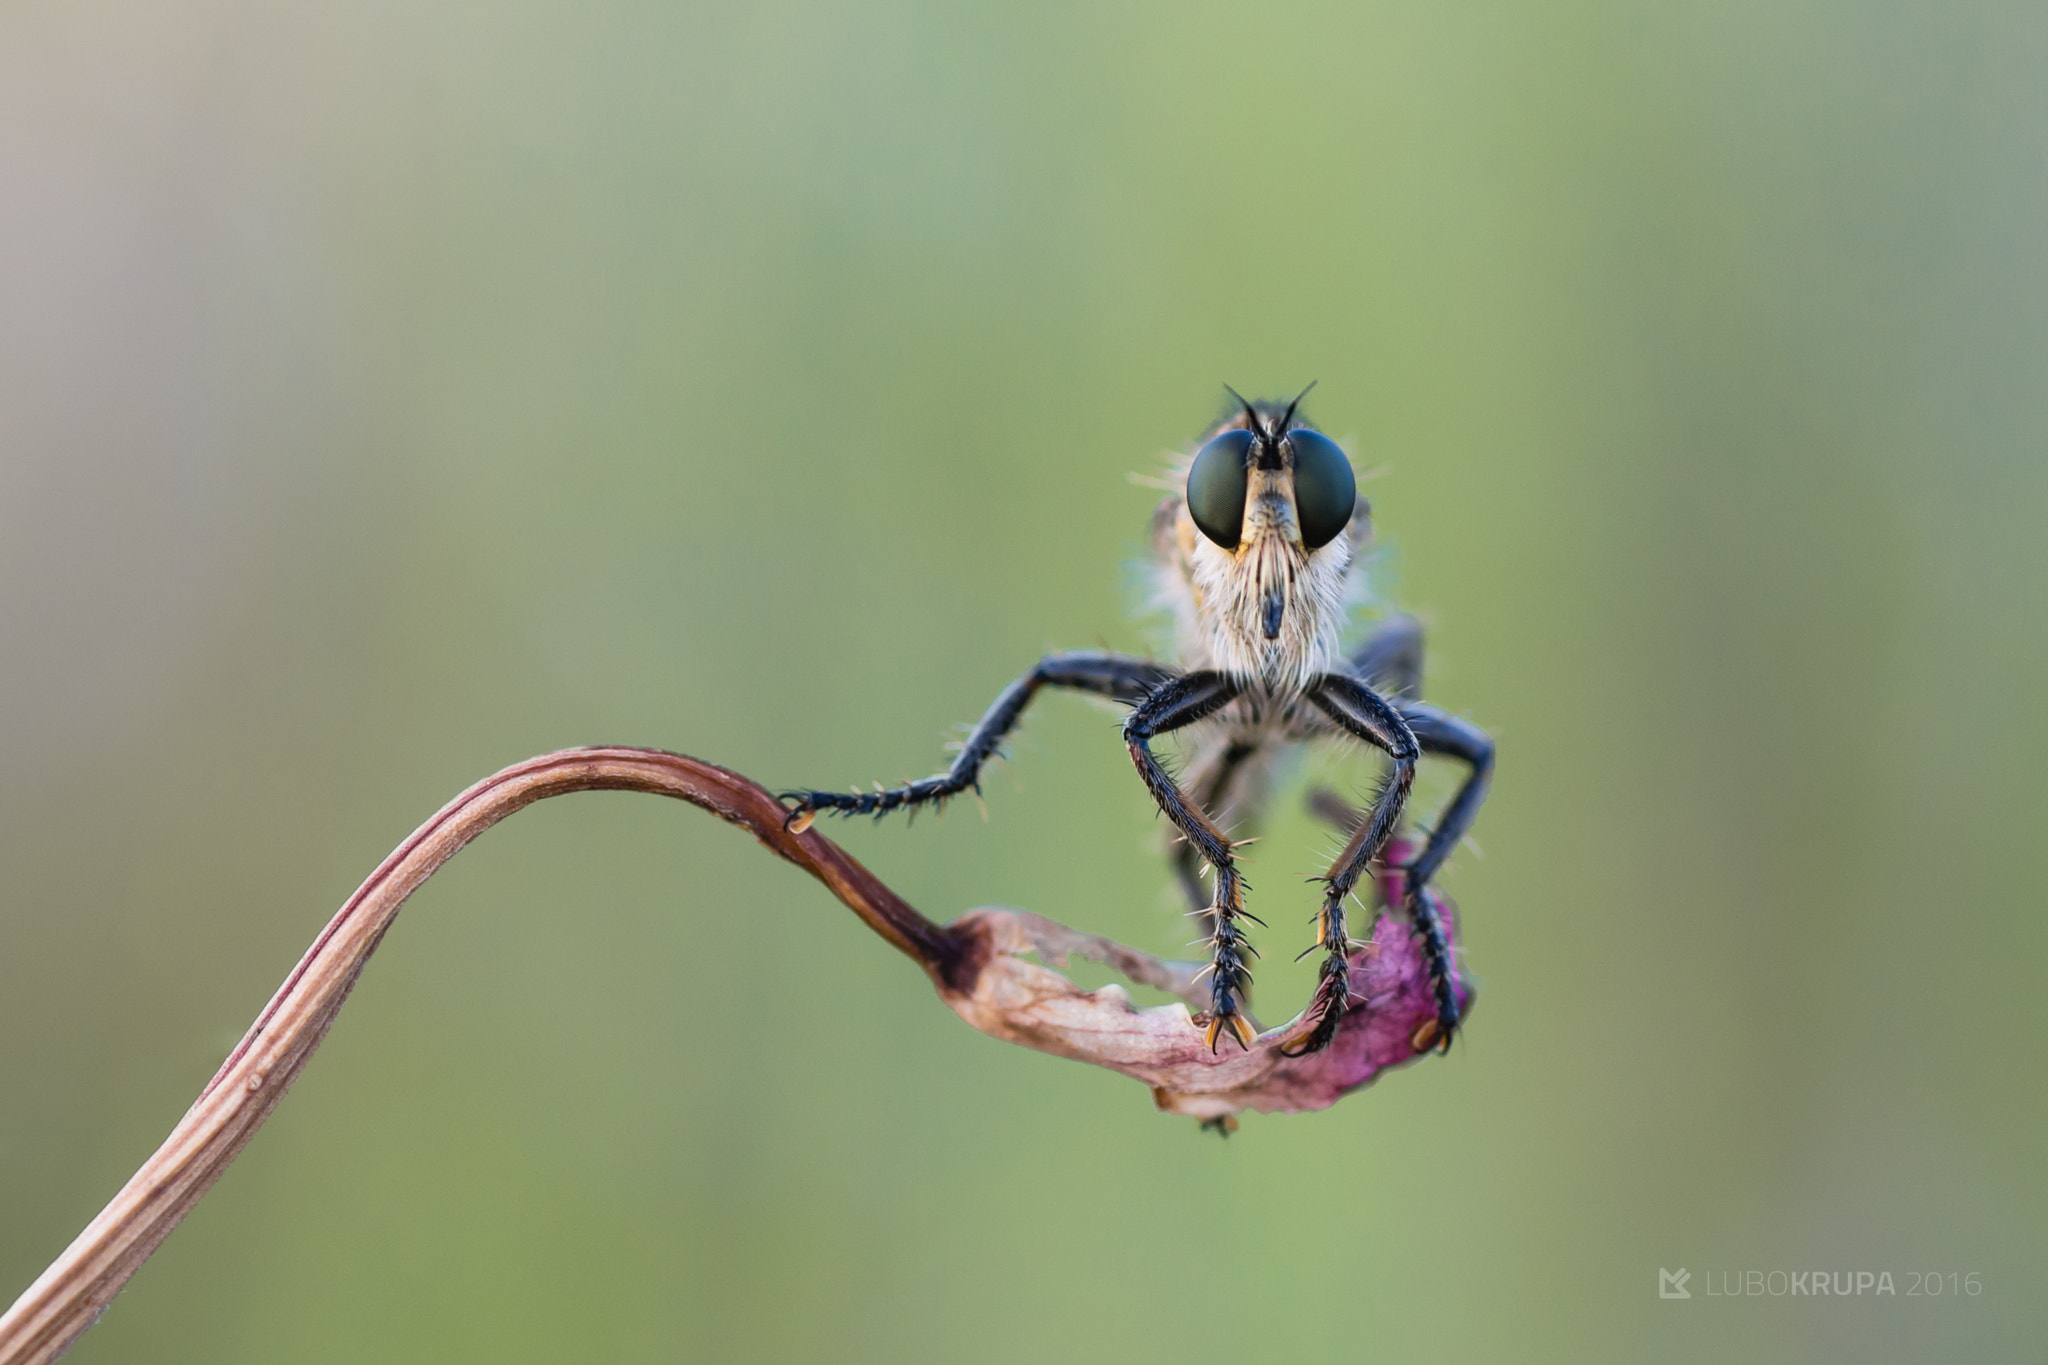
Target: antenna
1291 406
1251 413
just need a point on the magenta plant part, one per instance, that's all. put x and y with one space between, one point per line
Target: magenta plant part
1390 1021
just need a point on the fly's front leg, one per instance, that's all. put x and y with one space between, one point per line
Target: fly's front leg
1367 715
1120 676
1214 783
1391 661
1440 733
1177 703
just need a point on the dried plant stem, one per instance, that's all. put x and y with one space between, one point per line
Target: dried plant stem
992 967
76 1289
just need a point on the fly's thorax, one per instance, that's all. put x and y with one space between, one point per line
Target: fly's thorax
1271 607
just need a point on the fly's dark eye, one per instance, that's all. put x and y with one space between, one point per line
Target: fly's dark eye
1216 488
1325 490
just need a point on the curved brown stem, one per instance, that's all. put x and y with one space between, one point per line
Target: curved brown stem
982 965
76 1289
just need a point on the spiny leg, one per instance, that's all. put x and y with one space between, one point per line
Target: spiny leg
1440 736
1444 735
1177 703
1213 792
1363 713
1390 663
1121 676
1391 660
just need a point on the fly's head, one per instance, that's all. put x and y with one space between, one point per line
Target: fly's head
1259 544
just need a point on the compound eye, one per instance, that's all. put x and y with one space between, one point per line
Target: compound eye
1216 487
1325 490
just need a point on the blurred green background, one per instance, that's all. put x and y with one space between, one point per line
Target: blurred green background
390 392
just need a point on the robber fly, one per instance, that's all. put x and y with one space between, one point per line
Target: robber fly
1254 555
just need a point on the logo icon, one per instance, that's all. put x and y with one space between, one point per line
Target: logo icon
1671 1283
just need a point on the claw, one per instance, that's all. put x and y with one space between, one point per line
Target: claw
801 814
1240 1029
1438 1032
1315 1038
1331 1002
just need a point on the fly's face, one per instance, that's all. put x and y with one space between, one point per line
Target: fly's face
1263 539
